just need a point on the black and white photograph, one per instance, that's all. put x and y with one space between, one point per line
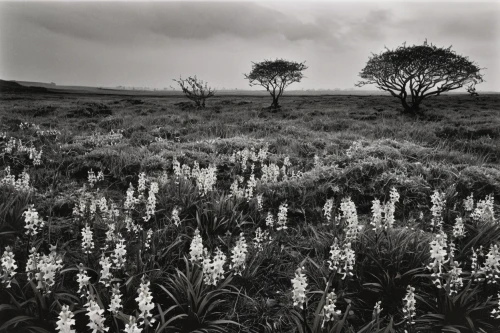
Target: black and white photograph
257 166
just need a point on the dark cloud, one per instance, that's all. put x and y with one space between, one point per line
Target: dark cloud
373 26
465 21
142 22
131 22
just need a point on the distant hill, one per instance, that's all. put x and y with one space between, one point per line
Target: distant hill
14 87
36 84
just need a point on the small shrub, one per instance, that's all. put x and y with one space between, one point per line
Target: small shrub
111 123
90 110
196 90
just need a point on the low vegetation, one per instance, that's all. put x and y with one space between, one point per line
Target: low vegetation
337 214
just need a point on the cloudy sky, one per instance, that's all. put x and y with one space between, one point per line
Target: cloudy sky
150 43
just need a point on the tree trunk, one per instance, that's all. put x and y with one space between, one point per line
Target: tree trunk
412 108
275 105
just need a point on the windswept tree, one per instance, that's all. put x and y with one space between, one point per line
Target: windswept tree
275 76
412 73
196 90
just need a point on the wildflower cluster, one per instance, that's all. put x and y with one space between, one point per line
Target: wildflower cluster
327 209
65 320
23 126
409 305
383 215
47 266
145 302
87 239
83 280
390 208
342 260
328 312
205 178
355 147
99 140
149 237
91 203
438 204
270 220
282 217
475 267
459 228
245 155
235 189
213 268
260 200
94 177
251 184
196 247
469 203
484 210
377 309
8 267
350 216
260 238
119 254
238 190
34 223
151 202
175 217
438 257
270 173
239 255
96 318
317 161
299 283
131 202
21 184
106 266
495 313
454 281
14 145
115 304
131 326
491 266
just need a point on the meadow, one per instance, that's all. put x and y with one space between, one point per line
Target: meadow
334 214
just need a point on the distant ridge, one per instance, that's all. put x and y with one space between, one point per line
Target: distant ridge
14 87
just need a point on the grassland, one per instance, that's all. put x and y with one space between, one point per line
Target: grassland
357 147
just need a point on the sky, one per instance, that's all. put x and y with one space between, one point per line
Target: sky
143 44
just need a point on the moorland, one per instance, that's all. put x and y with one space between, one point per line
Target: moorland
348 150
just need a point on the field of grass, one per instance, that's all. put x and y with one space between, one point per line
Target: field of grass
127 186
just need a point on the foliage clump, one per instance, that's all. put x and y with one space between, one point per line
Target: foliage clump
413 73
275 76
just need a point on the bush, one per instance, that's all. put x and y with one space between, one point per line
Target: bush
196 90
90 110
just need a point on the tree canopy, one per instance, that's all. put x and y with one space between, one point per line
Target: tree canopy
275 76
412 73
